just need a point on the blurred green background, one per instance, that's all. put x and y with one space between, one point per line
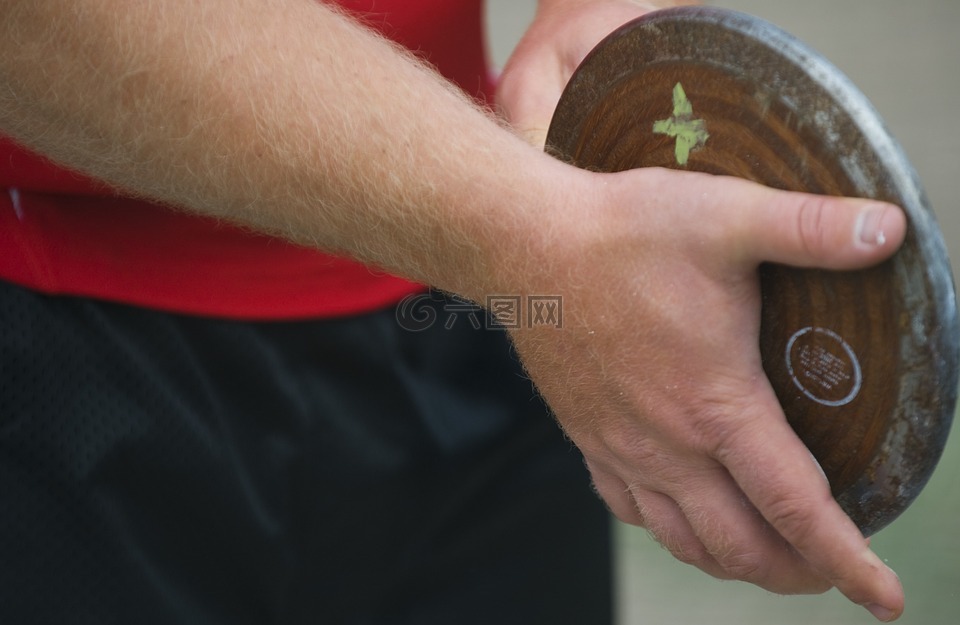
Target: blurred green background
905 56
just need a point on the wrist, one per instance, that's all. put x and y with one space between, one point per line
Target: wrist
528 219
547 247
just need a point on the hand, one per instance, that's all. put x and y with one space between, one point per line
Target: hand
561 35
656 374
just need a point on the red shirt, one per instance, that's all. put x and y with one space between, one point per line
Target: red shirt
63 234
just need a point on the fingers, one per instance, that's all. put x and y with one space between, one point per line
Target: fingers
782 480
763 513
801 543
660 515
806 230
715 528
560 36
741 541
749 224
666 522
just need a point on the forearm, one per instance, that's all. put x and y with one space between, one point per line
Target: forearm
282 115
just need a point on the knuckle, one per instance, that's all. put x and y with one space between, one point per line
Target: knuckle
717 431
748 567
794 519
632 447
726 419
683 545
812 225
689 551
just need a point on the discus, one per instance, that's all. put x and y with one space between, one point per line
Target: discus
864 363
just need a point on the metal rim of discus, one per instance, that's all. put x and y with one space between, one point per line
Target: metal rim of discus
865 363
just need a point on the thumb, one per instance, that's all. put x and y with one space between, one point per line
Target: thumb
805 230
527 104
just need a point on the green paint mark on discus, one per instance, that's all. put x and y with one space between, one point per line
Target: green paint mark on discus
690 133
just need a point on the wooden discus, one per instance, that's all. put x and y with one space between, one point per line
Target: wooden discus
864 363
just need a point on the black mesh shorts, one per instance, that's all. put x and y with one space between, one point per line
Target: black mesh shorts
157 468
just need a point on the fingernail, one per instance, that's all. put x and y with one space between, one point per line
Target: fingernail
881 613
870 225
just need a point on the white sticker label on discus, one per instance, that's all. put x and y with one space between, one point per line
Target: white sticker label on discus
823 366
